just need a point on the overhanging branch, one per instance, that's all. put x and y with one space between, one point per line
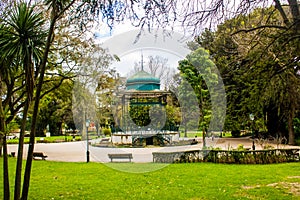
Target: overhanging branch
260 27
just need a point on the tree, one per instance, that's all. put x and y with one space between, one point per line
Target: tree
276 69
3 133
94 78
260 65
56 108
106 91
58 8
194 16
189 107
199 70
21 42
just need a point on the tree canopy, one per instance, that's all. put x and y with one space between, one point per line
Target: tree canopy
260 68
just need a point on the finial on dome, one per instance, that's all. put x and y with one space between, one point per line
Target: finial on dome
142 61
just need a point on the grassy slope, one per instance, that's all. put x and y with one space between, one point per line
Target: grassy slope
57 180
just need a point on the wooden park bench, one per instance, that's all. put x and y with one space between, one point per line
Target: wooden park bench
120 156
39 155
104 140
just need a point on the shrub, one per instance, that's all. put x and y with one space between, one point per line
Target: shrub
240 147
106 132
236 133
43 141
268 146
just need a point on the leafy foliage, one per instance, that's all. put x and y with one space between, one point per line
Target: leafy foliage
258 68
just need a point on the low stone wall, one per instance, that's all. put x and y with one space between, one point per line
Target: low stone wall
121 139
224 156
166 157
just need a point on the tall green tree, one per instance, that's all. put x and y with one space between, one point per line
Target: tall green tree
201 73
257 56
189 106
3 133
22 42
57 10
56 108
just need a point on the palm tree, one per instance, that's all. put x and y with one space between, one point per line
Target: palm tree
57 9
21 43
3 137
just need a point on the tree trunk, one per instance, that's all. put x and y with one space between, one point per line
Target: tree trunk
273 123
6 194
54 17
291 116
294 7
84 131
29 80
17 189
35 111
203 138
5 170
278 6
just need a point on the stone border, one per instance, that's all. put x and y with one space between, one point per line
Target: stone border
226 156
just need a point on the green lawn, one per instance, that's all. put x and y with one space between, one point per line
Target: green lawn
199 134
58 180
46 139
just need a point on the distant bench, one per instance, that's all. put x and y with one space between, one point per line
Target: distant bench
39 155
120 156
105 140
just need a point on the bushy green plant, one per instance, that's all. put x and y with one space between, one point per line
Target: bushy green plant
106 132
217 148
268 146
44 141
240 147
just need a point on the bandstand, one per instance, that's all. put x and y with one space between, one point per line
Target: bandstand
142 113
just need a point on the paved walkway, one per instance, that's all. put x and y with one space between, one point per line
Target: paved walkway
76 151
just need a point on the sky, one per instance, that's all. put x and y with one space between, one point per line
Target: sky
120 40
123 43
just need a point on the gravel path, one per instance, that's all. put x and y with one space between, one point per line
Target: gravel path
76 151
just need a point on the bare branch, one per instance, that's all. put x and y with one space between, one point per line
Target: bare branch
260 27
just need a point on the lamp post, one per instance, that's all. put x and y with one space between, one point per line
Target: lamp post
251 116
87 124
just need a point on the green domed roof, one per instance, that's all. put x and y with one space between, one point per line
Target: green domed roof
142 81
144 77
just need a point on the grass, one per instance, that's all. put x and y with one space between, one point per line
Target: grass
60 180
46 139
